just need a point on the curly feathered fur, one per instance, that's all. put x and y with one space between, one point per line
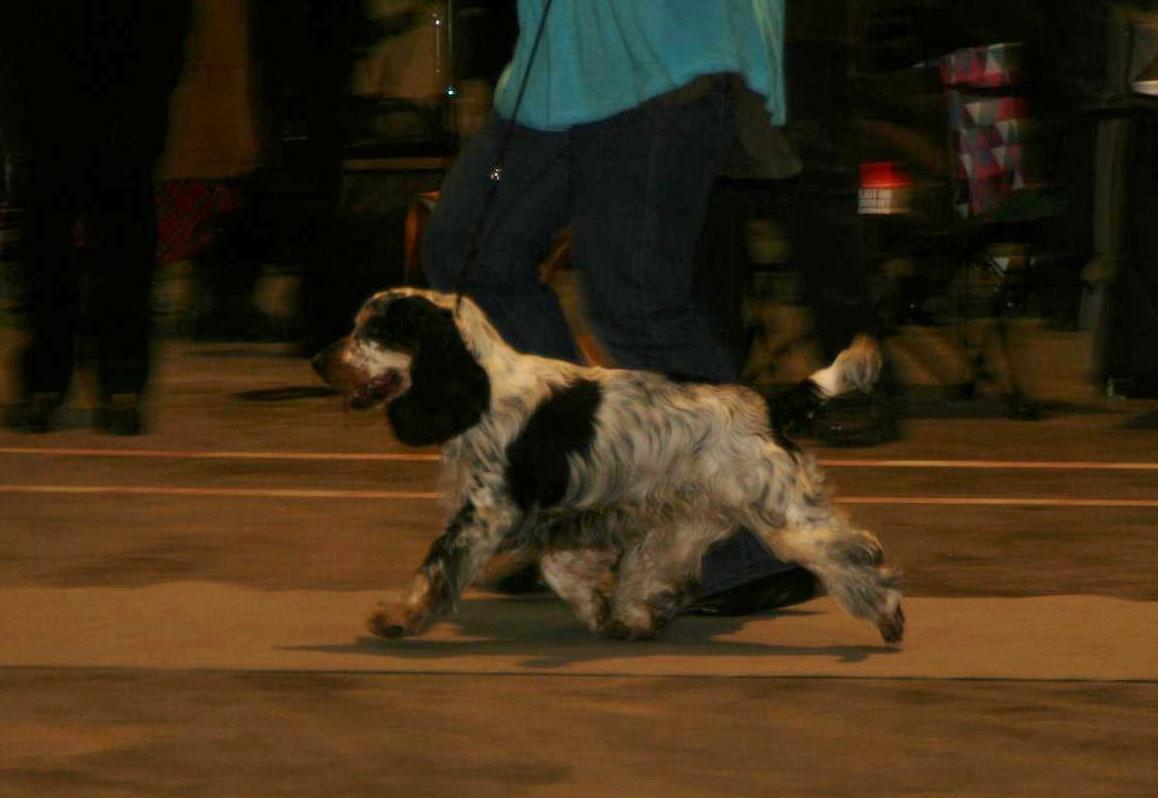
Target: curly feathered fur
618 480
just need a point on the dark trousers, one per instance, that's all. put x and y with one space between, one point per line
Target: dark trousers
302 54
84 109
635 188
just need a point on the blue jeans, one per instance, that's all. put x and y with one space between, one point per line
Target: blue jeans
634 188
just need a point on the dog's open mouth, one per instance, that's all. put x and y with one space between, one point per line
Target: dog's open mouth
379 389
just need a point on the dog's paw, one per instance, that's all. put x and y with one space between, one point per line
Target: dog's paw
394 622
383 624
618 629
892 627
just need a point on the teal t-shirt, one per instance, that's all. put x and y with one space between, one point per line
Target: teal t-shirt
600 57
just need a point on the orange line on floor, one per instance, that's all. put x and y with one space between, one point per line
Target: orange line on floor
997 465
997 501
277 493
306 493
193 454
430 457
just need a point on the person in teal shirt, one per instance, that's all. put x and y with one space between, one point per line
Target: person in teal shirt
601 57
628 110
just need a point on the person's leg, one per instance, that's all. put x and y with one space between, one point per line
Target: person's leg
50 288
531 203
830 254
641 188
642 180
37 88
119 261
133 64
829 247
298 191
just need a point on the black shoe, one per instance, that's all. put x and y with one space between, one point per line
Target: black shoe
772 592
858 419
118 415
34 414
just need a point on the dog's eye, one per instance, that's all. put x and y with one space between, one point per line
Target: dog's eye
378 329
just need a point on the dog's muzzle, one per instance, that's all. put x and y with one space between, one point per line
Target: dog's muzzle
379 389
323 361
361 390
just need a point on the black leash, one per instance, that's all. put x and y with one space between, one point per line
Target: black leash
475 247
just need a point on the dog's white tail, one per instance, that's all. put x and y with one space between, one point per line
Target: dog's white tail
855 368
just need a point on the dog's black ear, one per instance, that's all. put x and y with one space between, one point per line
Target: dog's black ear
398 323
449 390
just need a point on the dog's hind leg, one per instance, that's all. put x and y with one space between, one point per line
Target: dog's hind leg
583 578
850 564
657 577
454 559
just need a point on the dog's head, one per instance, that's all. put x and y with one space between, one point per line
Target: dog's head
407 352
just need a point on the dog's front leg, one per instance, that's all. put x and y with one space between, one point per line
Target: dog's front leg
451 564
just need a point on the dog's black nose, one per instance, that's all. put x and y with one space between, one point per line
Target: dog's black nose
321 361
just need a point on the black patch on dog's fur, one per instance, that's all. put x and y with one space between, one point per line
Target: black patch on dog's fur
792 410
537 469
449 390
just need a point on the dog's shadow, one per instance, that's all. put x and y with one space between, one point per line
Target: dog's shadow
547 635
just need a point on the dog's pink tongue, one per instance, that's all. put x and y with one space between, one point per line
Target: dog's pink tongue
371 392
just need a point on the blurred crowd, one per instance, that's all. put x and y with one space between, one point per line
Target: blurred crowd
252 169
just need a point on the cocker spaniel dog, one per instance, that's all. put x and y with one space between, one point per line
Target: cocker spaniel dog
618 481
